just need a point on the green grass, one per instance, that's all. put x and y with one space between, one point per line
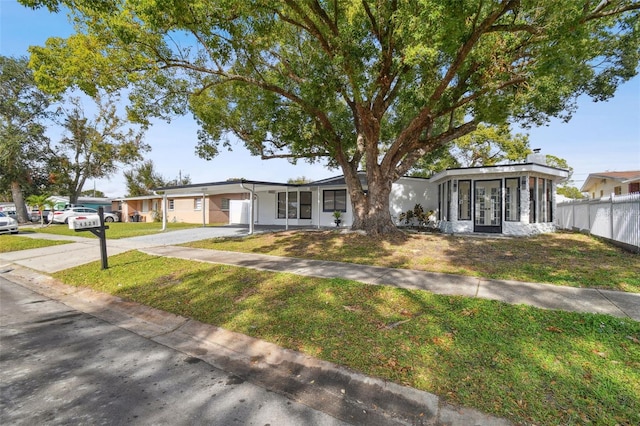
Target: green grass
116 230
15 242
567 259
529 365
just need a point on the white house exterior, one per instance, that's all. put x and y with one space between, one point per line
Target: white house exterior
515 199
311 204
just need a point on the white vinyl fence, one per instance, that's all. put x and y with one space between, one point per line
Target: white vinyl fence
616 218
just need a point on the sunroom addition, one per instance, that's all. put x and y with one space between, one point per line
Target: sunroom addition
513 199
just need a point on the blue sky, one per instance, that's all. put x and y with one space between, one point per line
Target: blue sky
603 136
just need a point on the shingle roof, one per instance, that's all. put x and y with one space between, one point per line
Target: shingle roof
632 174
591 180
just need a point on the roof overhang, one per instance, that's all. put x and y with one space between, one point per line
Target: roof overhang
622 177
523 168
227 187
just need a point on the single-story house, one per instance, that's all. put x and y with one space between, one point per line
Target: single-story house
513 199
605 184
193 206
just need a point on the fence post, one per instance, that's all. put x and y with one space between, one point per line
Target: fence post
611 214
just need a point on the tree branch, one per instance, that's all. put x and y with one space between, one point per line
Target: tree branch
599 12
264 156
431 144
464 51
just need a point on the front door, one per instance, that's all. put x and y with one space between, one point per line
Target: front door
487 206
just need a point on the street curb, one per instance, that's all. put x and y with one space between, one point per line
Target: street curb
333 389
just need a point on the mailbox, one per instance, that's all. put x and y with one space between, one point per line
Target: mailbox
84 222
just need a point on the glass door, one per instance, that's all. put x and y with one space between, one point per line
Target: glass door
487 206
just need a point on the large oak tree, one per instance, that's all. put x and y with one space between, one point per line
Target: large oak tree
356 83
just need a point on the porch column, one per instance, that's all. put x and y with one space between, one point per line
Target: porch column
318 196
252 193
164 211
286 208
252 208
204 217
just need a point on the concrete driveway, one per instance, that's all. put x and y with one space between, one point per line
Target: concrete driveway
85 250
182 236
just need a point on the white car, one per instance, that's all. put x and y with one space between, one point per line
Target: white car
62 216
8 224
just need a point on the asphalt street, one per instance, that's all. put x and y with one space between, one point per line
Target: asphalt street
62 366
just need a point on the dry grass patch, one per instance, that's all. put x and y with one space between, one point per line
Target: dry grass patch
562 258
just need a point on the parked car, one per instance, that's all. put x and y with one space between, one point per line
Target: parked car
34 215
62 216
8 224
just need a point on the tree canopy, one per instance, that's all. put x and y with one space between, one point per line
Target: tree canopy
486 146
23 110
373 84
92 148
143 178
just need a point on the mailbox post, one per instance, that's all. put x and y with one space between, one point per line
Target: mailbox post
95 225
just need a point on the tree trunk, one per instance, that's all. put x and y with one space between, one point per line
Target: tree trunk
73 198
371 211
18 200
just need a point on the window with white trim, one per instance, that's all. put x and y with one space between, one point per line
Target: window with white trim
224 204
512 200
464 200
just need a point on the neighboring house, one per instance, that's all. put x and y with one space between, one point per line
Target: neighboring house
602 185
514 199
188 207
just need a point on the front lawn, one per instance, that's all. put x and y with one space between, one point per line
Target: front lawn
15 242
529 365
116 230
569 259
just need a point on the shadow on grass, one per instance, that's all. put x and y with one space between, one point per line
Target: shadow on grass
562 258
527 364
321 245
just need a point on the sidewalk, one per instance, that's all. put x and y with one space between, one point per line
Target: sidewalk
545 296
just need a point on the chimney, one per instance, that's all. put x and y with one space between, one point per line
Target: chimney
536 157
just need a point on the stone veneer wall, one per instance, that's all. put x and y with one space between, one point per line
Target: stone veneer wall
508 228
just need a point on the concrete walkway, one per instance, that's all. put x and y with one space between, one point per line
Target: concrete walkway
546 296
540 295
